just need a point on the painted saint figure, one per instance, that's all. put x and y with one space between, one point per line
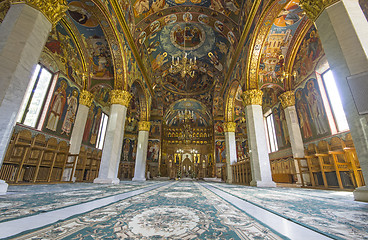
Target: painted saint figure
57 106
70 113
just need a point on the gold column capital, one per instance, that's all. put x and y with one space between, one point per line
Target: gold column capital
314 8
86 98
144 125
229 126
252 97
121 97
287 99
54 10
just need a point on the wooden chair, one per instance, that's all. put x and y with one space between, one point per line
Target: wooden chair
326 164
16 155
58 166
36 152
313 162
87 169
339 159
44 168
95 164
351 155
81 164
7 170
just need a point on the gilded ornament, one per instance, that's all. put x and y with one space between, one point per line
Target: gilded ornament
86 98
252 97
54 10
314 8
287 99
144 126
229 126
120 97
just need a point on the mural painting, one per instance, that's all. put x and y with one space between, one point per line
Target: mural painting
129 150
219 129
60 45
62 109
271 67
92 124
310 51
155 131
364 6
311 113
153 150
242 149
220 152
281 130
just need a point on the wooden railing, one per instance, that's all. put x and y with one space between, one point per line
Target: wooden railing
333 164
242 172
30 158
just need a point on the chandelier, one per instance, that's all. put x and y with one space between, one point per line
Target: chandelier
184 67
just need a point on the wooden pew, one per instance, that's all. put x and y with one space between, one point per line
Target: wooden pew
44 168
351 155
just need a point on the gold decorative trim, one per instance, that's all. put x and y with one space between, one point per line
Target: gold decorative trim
86 98
54 10
314 8
229 126
287 99
144 126
120 97
252 97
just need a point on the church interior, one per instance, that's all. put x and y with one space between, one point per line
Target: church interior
183 119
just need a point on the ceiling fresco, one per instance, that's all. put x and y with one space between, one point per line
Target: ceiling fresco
188 110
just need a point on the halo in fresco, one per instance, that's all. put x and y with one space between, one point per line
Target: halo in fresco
174 46
187 37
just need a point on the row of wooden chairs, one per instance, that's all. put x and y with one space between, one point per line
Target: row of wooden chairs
242 173
88 164
337 158
33 159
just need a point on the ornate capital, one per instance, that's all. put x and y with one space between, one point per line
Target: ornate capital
252 97
229 126
86 98
144 126
314 8
54 10
120 97
287 99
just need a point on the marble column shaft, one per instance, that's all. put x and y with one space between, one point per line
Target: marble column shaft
77 136
230 145
343 30
259 159
111 152
23 34
141 156
296 141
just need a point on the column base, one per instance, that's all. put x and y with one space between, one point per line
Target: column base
138 179
107 180
262 183
3 187
361 194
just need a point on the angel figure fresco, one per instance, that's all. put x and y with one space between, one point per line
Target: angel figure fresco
159 61
141 6
57 106
316 108
70 113
301 107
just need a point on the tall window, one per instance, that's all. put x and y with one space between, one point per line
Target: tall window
102 131
35 96
271 135
335 101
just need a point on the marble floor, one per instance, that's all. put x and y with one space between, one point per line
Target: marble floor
175 210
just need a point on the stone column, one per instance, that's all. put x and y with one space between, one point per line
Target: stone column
259 159
141 156
23 34
343 30
230 145
85 101
297 146
111 152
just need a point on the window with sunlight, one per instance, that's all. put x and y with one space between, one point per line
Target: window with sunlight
271 135
102 131
35 96
335 101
